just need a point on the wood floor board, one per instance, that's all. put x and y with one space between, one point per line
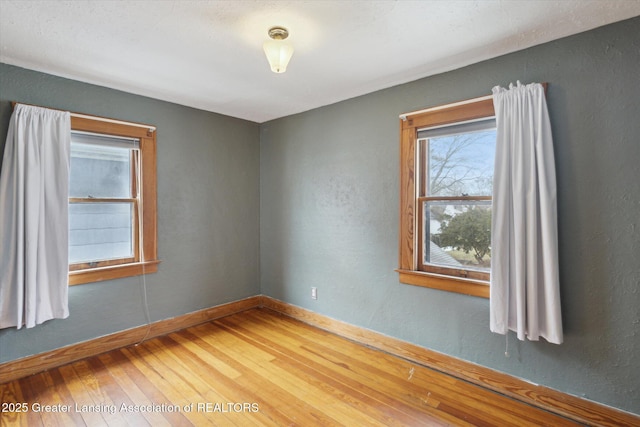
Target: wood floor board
98 393
315 392
132 394
418 388
352 374
244 387
176 389
322 342
203 391
189 350
157 384
271 336
215 330
342 375
152 386
116 394
297 409
482 407
340 351
48 392
17 393
321 384
280 372
30 388
80 396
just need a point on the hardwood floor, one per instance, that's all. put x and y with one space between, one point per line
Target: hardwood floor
255 368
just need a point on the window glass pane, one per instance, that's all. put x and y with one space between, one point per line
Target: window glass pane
461 164
458 234
100 231
99 171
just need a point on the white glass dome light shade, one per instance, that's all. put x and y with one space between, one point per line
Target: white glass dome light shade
278 54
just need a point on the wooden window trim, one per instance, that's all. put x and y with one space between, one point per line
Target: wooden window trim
148 208
112 272
410 235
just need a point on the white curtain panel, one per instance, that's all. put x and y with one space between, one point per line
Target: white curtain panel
34 192
525 293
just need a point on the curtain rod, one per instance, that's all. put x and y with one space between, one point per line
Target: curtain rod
119 122
404 116
98 118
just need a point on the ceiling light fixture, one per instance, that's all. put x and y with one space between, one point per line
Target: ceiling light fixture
277 50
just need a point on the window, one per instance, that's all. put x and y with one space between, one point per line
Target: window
112 200
446 177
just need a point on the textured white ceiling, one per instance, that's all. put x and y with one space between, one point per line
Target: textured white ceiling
208 54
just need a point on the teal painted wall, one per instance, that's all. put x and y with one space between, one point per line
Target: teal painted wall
208 212
329 216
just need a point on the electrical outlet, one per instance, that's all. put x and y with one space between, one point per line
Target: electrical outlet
314 293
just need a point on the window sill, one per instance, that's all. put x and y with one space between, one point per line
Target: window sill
80 277
476 288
